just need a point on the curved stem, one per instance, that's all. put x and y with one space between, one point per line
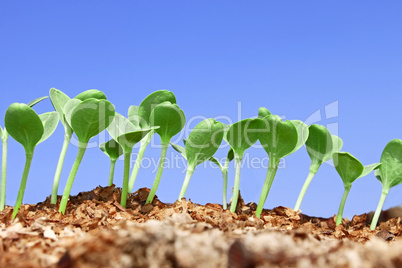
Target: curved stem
377 213
144 143
124 192
4 139
189 173
236 187
342 205
272 168
71 177
158 174
111 171
23 184
56 179
313 170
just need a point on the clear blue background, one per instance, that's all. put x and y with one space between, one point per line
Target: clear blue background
293 57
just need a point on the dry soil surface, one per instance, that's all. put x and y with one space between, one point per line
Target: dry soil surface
97 232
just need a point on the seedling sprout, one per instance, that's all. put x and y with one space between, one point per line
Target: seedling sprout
114 151
349 169
320 145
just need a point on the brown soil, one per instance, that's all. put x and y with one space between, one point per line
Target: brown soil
97 232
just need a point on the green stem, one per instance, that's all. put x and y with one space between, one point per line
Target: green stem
23 184
189 173
4 139
123 200
342 205
272 168
313 170
144 143
71 177
236 187
225 185
158 174
56 179
377 213
111 172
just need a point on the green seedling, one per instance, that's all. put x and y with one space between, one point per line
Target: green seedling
59 101
389 174
87 119
114 151
349 169
29 129
170 119
141 116
4 139
321 145
127 135
279 139
201 145
241 136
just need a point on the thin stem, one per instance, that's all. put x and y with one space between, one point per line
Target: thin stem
236 187
123 200
272 168
111 172
342 205
144 143
189 173
56 179
23 184
313 170
158 174
377 213
81 151
225 185
4 139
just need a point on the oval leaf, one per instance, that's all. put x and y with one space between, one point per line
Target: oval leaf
302 134
36 101
59 100
91 117
319 143
337 144
348 167
133 116
50 121
112 149
91 93
391 164
150 102
203 141
243 134
369 168
69 108
278 138
169 118
24 125
179 149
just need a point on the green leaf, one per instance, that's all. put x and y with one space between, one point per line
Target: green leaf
179 149
391 164
263 112
348 167
230 155
69 108
216 162
59 100
150 102
24 125
36 101
125 133
169 118
111 149
243 134
91 93
369 168
91 117
319 143
203 141
50 121
278 138
302 134
133 116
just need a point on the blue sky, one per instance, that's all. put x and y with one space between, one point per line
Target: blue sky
220 58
